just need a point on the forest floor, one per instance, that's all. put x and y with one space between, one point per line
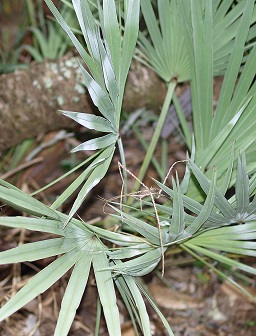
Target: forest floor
192 298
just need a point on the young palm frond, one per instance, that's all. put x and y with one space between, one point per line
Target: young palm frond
165 52
110 50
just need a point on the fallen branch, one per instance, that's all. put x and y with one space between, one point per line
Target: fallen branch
30 99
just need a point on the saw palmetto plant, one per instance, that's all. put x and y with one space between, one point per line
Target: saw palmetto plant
203 40
226 225
184 41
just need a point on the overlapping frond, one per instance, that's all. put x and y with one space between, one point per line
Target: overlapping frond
214 229
79 246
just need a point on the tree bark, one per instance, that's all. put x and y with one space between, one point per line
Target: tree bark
30 99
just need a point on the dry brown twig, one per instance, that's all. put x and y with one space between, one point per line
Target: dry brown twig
152 192
147 192
169 172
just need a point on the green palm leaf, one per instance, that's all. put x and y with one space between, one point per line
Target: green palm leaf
140 305
242 186
204 213
178 215
41 249
99 96
80 179
233 66
97 143
106 289
217 256
90 121
167 54
141 265
34 224
95 177
40 282
73 294
110 50
112 31
23 202
148 231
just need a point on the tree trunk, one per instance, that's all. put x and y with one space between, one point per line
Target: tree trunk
30 99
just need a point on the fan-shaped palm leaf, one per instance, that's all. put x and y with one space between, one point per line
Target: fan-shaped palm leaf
217 226
80 246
